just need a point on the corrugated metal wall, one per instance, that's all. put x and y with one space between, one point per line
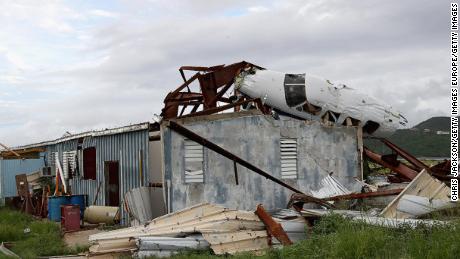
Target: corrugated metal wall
130 150
9 168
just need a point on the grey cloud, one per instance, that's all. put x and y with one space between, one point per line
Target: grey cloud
394 50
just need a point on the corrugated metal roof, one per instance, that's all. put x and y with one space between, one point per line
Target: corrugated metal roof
93 133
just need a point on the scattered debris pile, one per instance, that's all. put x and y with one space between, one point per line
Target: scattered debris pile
423 195
204 226
227 231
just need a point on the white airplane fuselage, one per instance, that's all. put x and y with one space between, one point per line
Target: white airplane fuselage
289 92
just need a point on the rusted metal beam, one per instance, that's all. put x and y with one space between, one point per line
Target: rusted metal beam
353 196
217 109
210 145
401 168
211 79
195 108
183 109
186 83
171 105
406 155
182 97
273 228
223 91
201 69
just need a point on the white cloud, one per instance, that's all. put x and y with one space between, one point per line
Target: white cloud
103 13
258 9
77 73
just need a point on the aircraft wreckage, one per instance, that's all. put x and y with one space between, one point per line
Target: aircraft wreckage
297 95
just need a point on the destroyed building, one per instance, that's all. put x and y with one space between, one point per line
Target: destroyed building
104 165
220 145
267 130
300 153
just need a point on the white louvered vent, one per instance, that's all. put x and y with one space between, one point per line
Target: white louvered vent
69 163
193 162
288 149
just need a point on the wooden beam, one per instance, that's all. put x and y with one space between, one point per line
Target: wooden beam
7 148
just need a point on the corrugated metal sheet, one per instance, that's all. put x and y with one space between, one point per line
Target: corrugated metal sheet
329 186
129 149
227 230
9 168
128 145
288 149
167 246
143 204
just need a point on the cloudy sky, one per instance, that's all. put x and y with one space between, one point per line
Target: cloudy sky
80 65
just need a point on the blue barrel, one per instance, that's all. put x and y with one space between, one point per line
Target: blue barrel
54 206
80 201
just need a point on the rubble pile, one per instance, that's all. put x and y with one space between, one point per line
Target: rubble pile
227 231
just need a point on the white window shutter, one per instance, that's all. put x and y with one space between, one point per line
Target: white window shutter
194 158
288 150
69 163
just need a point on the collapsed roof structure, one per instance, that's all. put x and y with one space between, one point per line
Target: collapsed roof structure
298 95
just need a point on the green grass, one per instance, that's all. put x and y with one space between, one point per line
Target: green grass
331 237
336 237
43 239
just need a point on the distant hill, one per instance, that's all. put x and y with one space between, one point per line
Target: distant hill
435 124
423 140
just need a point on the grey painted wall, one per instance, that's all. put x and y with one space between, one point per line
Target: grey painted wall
256 138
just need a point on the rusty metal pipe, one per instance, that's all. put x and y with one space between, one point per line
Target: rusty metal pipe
353 196
401 168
